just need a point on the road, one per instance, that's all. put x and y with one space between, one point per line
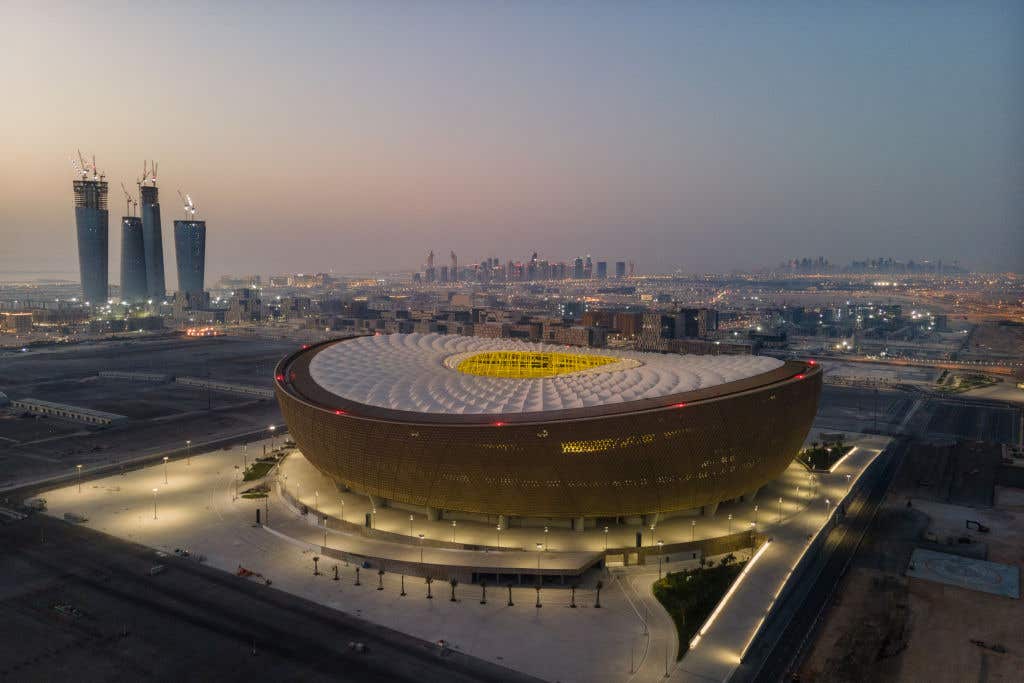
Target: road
75 603
772 654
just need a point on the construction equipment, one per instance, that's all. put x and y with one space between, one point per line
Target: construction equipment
977 525
190 207
130 200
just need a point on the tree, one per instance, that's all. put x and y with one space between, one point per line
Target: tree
380 579
600 585
483 592
430 580
453 582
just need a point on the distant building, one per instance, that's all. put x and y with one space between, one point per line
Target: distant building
245 307
153 241
602 270
620 269
16 323
190 254
577 268
133 260
92 224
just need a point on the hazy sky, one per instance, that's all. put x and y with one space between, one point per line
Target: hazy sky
701 135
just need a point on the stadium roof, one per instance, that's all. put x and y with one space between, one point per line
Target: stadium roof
453 375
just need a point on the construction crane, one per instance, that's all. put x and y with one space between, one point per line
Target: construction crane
83 167
130 200
190 207
148 173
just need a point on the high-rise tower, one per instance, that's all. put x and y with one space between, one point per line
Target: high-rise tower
92 225
133 254
152 235
190 249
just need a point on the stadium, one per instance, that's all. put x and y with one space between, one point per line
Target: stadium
498 428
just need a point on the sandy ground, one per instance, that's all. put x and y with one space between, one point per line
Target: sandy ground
885 627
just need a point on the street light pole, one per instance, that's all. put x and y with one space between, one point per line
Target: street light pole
693 529
453 531
606 539
79 468
165 470
755 514
154 503
421 548
539 548
410 525
780 509
730 522
661 544
188 456
499 536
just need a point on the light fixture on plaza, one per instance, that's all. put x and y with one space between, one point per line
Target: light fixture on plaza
755 514
545 539
780 509
79 469
453 531
848 479
316 499
272 429
154 503
342 508
188 452
606 538
827 504
373 518
730 522
421 548
410 525
165 471
499 536
540 548
693 529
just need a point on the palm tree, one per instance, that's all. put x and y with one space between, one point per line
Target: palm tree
483 592
357 576
380 579
600 585
510 603
572 596
453 582
430 580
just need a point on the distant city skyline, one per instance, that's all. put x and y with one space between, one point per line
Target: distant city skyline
353 138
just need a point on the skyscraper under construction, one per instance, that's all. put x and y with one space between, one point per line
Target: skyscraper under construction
92 225
152 235
190 252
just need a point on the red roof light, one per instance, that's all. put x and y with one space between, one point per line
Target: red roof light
812 362
339 412
800 376
499 424
678 405
280 378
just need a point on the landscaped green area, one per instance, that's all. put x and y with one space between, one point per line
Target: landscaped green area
254 494
823 456
954 384
690 596
258 470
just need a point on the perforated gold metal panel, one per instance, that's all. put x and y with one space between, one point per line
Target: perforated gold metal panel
681 455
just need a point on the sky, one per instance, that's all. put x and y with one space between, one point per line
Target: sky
352 137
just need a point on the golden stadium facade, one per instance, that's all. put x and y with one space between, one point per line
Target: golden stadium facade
498 427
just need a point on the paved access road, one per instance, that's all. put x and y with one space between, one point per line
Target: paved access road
772 654
79 605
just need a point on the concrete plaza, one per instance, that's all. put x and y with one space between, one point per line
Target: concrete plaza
195 506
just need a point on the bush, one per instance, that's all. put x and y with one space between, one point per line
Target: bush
690 596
